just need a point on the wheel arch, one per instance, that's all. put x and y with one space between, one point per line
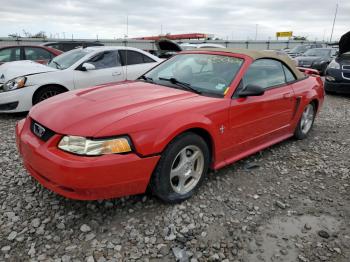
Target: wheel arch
199 130
45 86
203 133
316 103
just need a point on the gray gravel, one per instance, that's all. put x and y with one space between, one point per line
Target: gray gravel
290 202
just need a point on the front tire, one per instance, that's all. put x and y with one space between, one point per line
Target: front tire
181 169
46 92
306 122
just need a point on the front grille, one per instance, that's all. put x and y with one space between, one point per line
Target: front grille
41 131
346 75
346 67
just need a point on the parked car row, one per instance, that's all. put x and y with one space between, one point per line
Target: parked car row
337 78
26 83
301 49
317 58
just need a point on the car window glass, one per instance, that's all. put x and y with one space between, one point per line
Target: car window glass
10 54
206 73
69 58
289 75
106 59
130 57
35 53
264 73
147 59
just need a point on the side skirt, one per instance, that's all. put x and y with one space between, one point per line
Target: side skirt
251 151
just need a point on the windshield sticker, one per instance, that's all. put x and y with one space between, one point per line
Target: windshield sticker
220 86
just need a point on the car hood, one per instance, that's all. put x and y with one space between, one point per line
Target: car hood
344 43
14 69
166 48
310 58
86 112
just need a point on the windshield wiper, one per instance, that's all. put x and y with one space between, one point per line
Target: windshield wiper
58 66
181 84
146 78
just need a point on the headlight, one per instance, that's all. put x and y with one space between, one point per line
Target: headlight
94 147
15 83
334 65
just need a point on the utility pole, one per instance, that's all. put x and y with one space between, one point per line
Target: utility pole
256 32
324 34
335 17
127 26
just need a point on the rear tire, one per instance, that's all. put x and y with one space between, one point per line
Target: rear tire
47 92
306 122
181 168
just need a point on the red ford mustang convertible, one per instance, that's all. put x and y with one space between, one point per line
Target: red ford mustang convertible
198 110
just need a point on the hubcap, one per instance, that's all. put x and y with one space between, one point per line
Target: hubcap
186 169
307 118
48 94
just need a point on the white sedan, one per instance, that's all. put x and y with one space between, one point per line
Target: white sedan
26 83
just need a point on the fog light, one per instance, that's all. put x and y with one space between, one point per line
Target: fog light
330 78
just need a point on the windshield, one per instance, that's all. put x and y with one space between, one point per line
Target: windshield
211 74
299 49
67 59
317 52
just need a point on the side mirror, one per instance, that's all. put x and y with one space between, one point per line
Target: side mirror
87 67
251 90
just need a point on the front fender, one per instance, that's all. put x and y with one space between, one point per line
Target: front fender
160 137
62 78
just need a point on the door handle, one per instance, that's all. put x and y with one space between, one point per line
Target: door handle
116 73
287 95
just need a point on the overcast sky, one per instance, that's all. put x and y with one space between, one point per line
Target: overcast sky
236 19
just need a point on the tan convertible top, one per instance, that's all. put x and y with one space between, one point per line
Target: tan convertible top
255 54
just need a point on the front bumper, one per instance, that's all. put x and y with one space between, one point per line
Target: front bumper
22 98
337 83
82 178
341 88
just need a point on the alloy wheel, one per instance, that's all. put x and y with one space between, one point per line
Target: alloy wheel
187 169
48 94
307 119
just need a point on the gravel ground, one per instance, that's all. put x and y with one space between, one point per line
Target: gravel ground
290 202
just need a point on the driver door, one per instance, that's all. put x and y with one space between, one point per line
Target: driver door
259 120
107 69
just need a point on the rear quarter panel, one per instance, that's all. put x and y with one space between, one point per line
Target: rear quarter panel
307 90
